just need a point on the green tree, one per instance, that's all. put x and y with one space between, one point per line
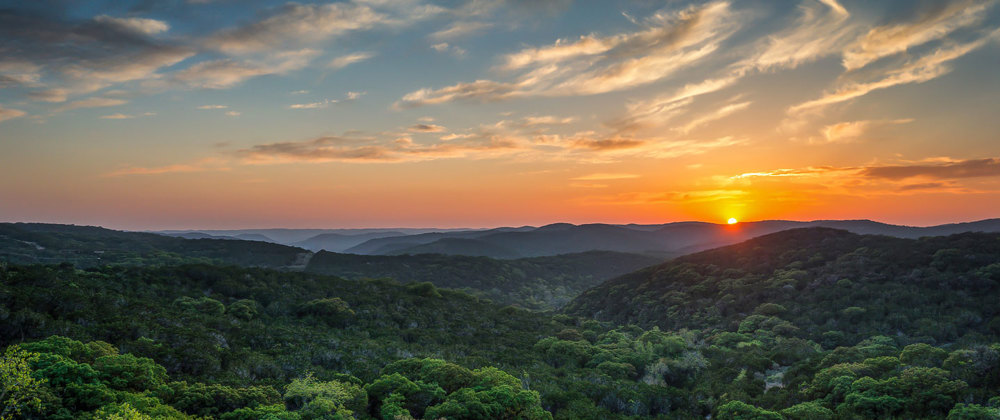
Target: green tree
18 388
739 410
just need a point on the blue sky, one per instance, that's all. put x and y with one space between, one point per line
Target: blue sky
378 112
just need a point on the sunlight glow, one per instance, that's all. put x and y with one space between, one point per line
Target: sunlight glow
732 221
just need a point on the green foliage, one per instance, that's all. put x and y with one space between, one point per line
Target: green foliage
19 389
808 411
126 372
542 283
973 412
738 410
808 324
314 398
88 246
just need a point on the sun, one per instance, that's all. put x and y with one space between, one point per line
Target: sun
732 221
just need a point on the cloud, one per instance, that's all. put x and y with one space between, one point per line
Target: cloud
371 150
226 72
294 24
426 128
886 40
974 168
850 130
118 116
668 42
233 113
604 176
444 47
714 115
15 72
937 175
96 102
546 120
820 31
213 107
49 95
346 60
140 25
84 55
299 92
798 172
10 113
562 50
479 90
460 29
603 144
313 105
203 165
919 70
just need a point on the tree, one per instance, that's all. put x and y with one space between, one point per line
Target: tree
313 397
808 411
18 388
739 410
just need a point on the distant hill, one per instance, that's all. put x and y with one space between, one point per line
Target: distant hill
667 240
535 283
819 280
336 242
88 246
291 236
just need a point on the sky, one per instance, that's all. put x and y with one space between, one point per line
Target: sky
376 113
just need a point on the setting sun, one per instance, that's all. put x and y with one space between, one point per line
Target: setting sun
732 221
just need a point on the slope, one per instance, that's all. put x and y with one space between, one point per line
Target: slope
536 283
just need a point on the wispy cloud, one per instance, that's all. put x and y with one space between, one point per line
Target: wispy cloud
851 130
213 107
973 168
10 113
821 30
118 116
233 113
547 120
203 165
426 128
919 70
444 47
141 25
717 114
346 60
226 73
937 23
95 102
313 105
461 29
668 42
370 150
294 24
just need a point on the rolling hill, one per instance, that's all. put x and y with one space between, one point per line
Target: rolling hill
664 241
820 281
542 283
89 246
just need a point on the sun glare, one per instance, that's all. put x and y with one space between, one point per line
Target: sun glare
732 221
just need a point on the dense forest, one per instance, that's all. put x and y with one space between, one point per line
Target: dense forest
91 246
802 324
541 283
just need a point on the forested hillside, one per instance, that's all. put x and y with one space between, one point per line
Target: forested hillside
830 283
91 246
818 324
542 283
